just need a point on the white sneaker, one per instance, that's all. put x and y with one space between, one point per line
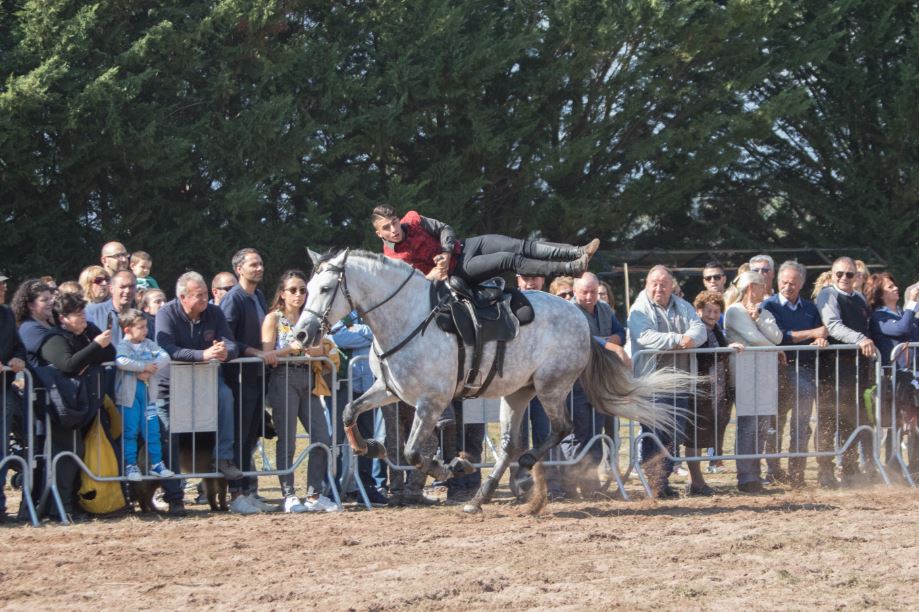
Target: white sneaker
292 505
132 473
255 502
320 504
241 505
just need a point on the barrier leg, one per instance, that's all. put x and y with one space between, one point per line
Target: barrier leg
55 493
26 486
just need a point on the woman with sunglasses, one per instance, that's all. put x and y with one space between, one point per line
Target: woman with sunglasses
96 284
563 287
295 391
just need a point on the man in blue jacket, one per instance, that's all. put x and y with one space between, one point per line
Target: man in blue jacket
190 329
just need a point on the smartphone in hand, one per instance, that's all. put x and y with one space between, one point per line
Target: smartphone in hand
110 320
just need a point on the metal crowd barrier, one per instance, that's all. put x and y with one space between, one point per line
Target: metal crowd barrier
28 416
861 431
238 416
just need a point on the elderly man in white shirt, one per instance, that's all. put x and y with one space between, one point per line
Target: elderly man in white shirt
662 321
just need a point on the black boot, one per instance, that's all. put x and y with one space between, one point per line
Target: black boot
550 251
539 267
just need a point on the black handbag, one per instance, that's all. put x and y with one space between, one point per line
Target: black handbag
71 401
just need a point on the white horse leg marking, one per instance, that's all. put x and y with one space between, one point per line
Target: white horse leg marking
376 395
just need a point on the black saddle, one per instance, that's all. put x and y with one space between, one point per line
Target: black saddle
475 315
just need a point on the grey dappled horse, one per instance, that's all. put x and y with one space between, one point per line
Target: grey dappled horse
545 360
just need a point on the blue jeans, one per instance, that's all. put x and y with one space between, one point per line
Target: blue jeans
172 489
670 437
538 420
140 419
751 440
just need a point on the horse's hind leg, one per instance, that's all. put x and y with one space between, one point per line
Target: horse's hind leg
512 409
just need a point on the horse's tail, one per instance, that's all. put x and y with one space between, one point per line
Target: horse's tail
612 389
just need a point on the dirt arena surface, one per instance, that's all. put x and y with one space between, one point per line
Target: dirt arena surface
796 550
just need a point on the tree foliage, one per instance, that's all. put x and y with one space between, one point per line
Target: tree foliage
191 129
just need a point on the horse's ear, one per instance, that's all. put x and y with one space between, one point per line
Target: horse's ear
313 255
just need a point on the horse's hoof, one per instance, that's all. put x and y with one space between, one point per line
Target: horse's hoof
524 486
471 508
375 450
460 466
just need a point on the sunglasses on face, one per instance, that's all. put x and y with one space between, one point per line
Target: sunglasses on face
100 280
224 288
566 294
299 290
119 255
713 277
840 274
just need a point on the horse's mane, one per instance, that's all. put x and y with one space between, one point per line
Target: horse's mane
377 258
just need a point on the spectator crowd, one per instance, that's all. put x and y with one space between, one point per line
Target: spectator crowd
114 334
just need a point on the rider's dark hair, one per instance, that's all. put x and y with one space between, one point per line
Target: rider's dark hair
383 211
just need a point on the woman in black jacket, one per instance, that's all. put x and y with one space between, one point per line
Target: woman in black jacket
73 347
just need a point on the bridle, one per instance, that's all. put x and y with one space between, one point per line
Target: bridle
342 285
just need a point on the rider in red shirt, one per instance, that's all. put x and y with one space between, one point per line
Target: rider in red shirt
432 247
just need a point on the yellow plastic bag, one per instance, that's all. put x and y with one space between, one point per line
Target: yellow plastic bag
100 497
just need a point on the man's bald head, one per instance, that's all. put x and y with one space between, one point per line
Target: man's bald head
114 257
587 279
585 291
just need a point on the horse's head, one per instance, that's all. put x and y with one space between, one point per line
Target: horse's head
326 301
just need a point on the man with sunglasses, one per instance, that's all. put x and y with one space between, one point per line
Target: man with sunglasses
713 277
845 314
115 257
104 315
222 283
764 265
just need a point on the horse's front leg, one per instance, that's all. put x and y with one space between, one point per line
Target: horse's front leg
426 415
376 395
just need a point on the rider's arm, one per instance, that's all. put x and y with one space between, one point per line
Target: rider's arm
441 230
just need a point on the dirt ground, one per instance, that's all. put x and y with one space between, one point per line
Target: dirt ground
792 550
